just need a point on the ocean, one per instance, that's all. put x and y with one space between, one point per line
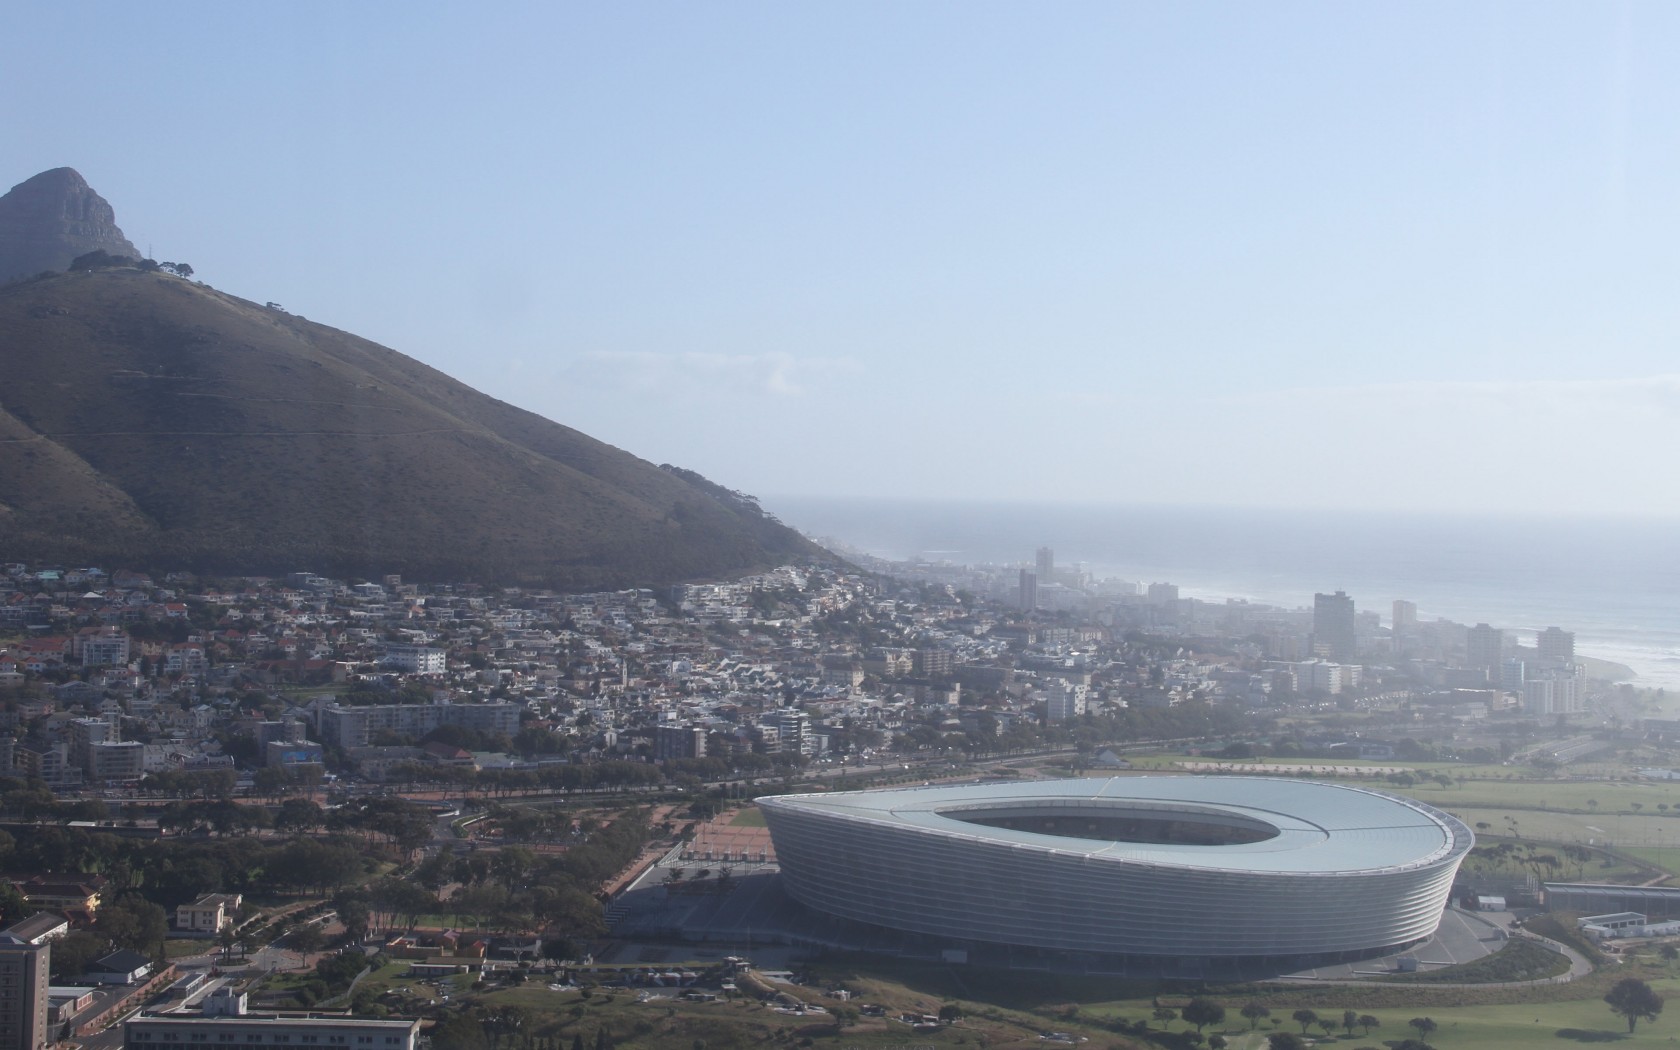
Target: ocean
1615 582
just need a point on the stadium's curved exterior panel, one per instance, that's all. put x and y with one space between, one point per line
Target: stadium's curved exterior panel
1232 867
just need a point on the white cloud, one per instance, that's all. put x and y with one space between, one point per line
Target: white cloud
775 374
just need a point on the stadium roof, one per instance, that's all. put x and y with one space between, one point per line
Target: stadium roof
1320 828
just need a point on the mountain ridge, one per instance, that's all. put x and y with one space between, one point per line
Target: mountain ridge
49 219
161 423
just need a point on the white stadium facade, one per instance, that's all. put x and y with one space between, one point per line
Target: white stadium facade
1156 866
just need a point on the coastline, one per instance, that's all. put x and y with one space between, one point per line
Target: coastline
1610 581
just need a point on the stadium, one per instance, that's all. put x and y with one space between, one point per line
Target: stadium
1169 866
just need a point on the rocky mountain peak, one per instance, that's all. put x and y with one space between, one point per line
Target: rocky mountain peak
48 220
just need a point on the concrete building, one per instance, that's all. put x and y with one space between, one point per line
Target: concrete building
793 729
1335 634
1027 595
349 727
414 659
1161 594
1552 693
290 754
24 966
102 646
116 761
236 1030
1556 647
679 741
1484 649
1403 624
211 913
1064 702
1512 674
1046 565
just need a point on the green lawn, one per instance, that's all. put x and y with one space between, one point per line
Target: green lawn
748 817
1516 1027
1587 828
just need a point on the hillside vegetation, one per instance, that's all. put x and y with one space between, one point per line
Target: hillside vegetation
147 421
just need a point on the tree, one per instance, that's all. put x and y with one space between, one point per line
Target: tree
1327 1025
305 938
1425 1025
1255 1012
1635 1000
460 1032
1217 1042
354 913
1304 1017
1367 1022
298 814
1285 1041
950 1013
134 922
1165 1015
99 259
1202 1012
13 908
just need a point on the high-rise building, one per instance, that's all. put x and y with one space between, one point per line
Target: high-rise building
1046 564
1553 693
679 741
1557 647
23 992
1028 597
1404 623
793 728
1484 648
1512 674
1064 702
1333 626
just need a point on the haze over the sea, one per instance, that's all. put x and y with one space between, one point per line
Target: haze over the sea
1611 580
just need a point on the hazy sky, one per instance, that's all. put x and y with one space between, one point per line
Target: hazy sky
1354 255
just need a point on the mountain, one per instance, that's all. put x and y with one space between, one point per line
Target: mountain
150 422
50 219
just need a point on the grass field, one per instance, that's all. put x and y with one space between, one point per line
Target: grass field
748 817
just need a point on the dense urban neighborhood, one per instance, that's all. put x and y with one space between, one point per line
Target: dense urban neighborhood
115 677
205 782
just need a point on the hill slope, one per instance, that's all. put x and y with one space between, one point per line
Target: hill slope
149 421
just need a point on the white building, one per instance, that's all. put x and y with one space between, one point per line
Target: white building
1064 702
414 659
